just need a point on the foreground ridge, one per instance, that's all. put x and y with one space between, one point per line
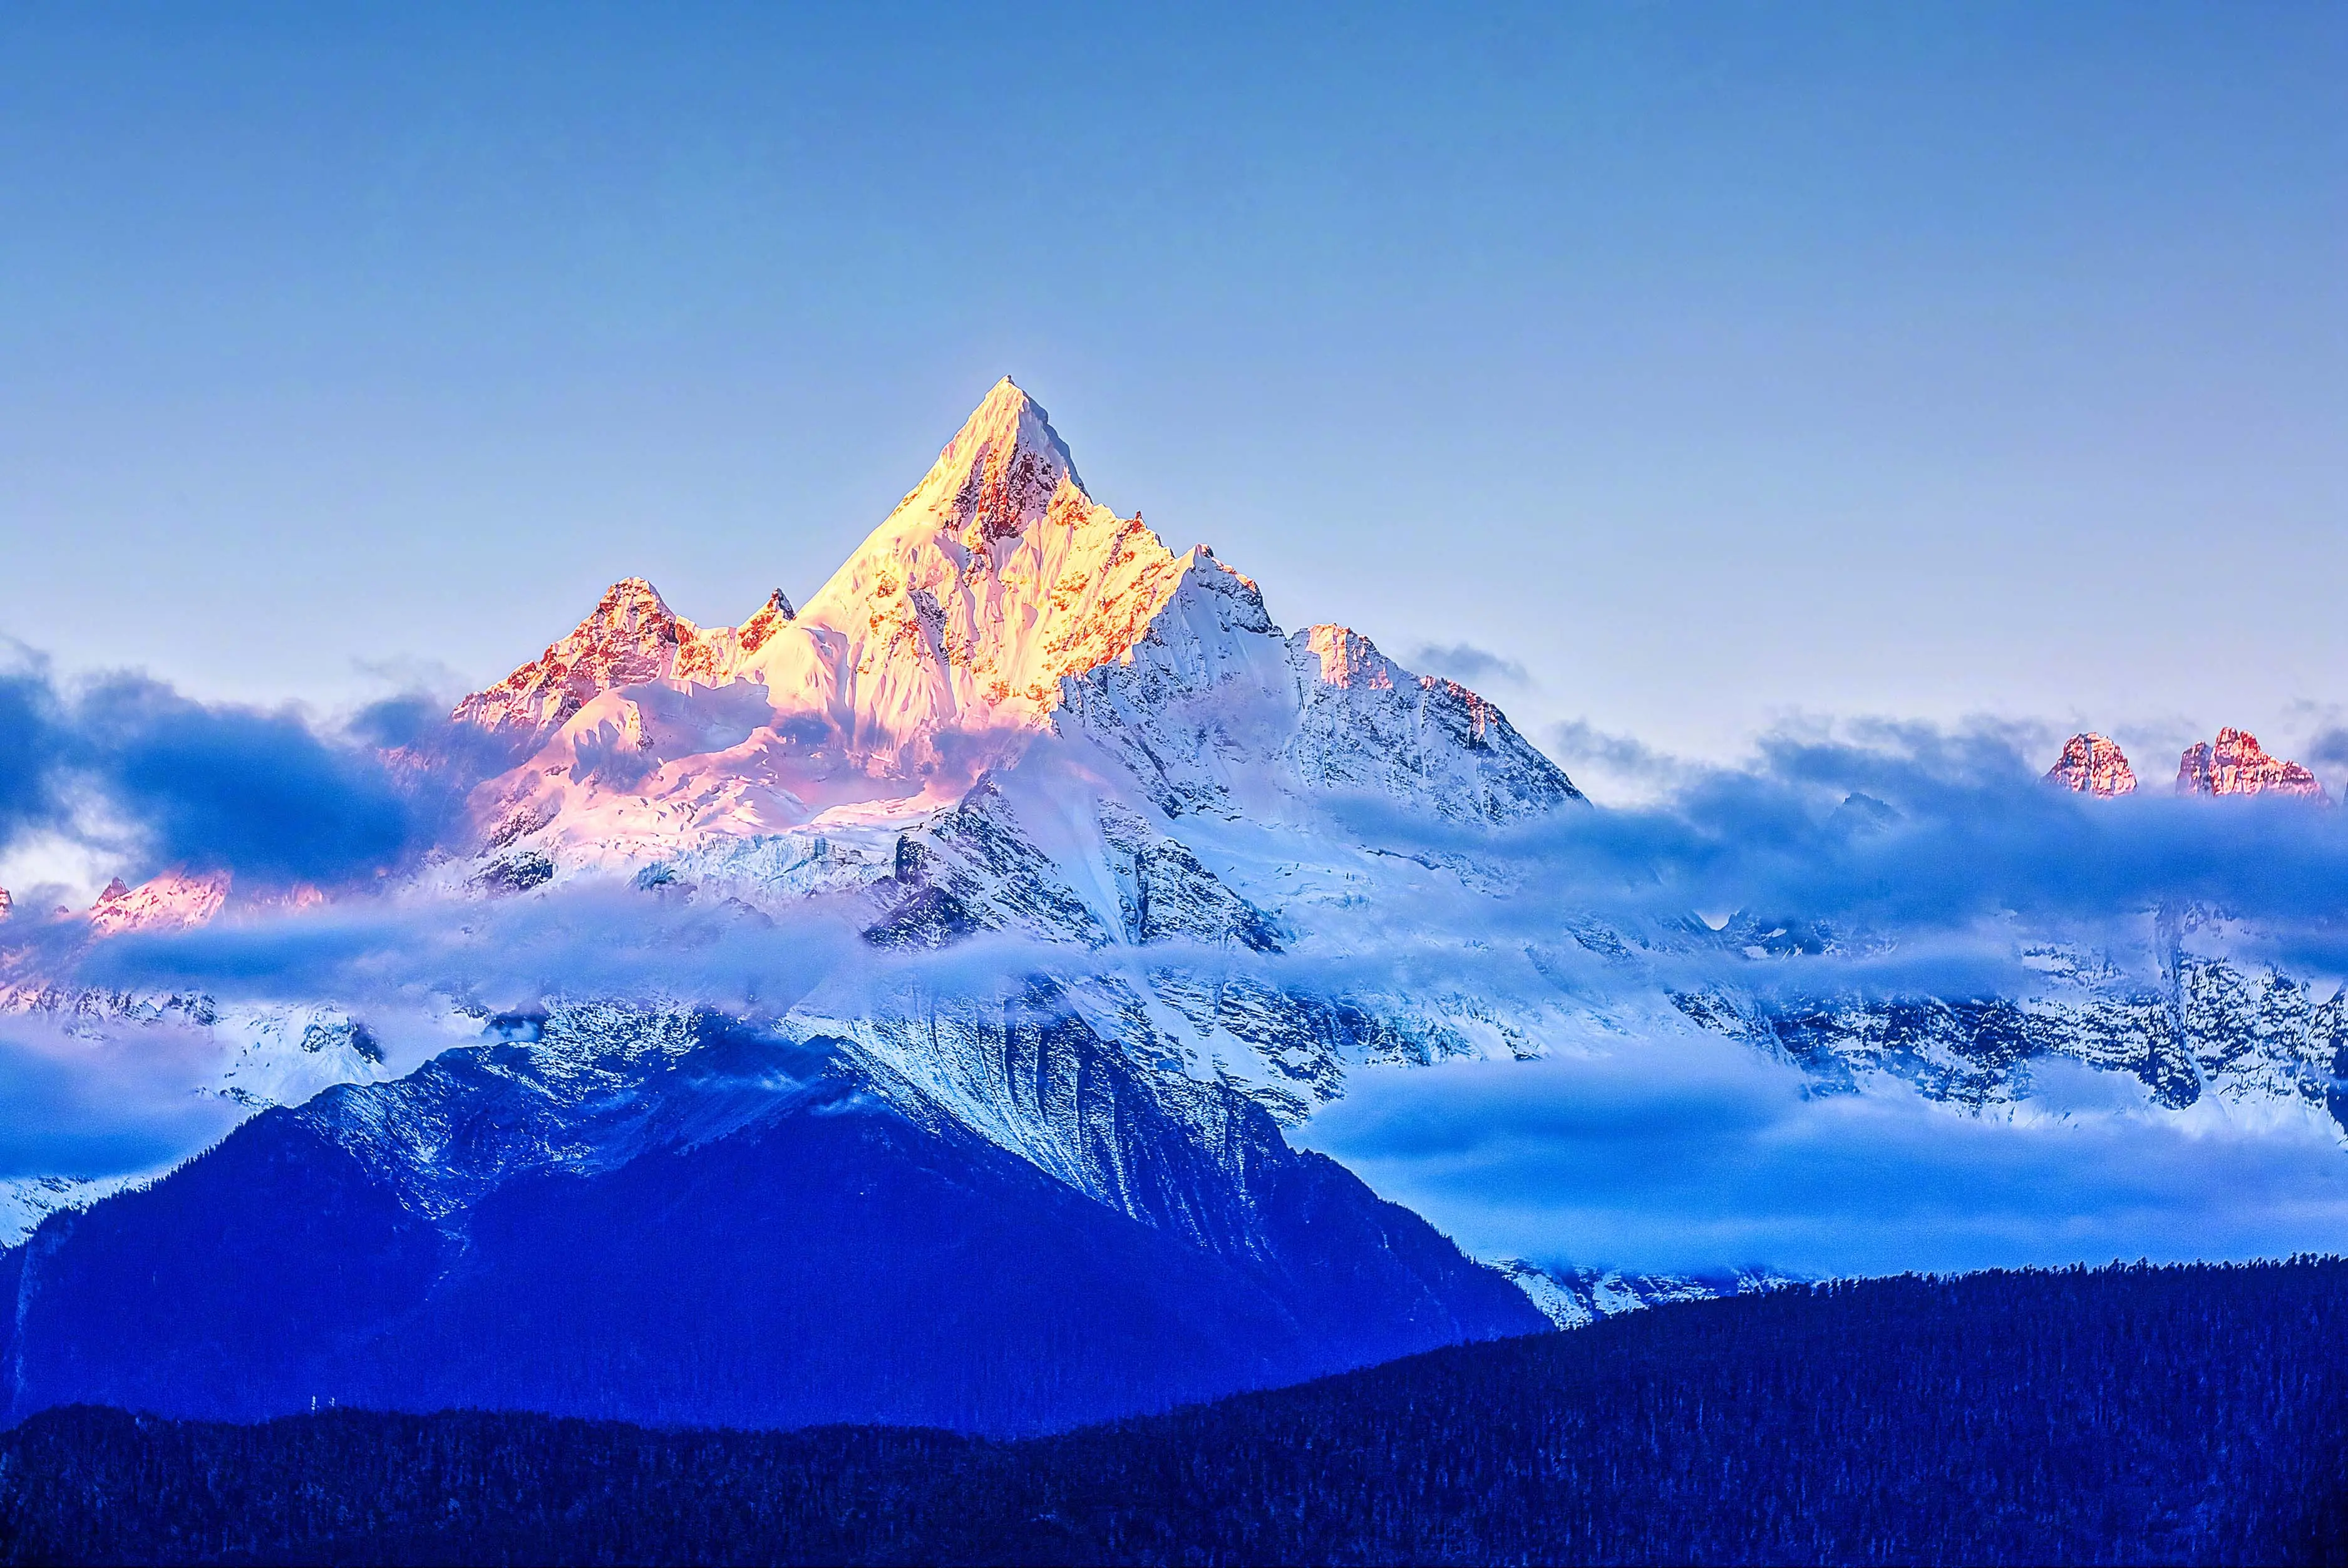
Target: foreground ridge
2132 1414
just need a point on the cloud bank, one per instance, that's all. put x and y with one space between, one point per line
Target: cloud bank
1651 1153
78 1105
1700 1153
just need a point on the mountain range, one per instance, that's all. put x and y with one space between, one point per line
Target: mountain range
1081 885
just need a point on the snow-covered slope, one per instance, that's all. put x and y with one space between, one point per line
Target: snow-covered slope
1577 1297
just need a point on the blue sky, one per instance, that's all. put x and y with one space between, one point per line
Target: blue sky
1712 364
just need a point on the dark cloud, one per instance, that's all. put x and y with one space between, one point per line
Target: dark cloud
127 763
1466 663
28 745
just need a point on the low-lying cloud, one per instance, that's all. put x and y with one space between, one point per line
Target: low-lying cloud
1699 1152
83 1104
1933 856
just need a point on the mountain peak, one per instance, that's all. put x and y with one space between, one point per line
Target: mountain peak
1000 472
2239 765
176 900
2093 765
631 635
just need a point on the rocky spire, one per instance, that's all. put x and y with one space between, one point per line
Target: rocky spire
2238 765
2093 765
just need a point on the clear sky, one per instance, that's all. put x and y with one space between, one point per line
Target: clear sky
1711 363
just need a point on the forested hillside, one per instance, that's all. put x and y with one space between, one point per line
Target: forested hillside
2119 1415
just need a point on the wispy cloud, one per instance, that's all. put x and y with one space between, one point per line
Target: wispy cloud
1578 745
1467 664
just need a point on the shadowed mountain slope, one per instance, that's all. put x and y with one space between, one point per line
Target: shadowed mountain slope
674 1219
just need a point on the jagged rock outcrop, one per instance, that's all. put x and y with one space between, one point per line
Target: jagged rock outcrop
2093 765
2239 765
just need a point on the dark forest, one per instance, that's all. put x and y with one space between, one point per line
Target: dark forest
2135 1414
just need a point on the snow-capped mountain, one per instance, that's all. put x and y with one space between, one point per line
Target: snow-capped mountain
1244 863
998 605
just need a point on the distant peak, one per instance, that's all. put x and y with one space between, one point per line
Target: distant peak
177 899
632 636
2093 765
2239 765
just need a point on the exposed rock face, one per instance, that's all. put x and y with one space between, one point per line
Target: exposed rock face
8 904
2093 765
2239 765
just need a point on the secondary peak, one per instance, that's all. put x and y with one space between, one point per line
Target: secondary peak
1002 468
